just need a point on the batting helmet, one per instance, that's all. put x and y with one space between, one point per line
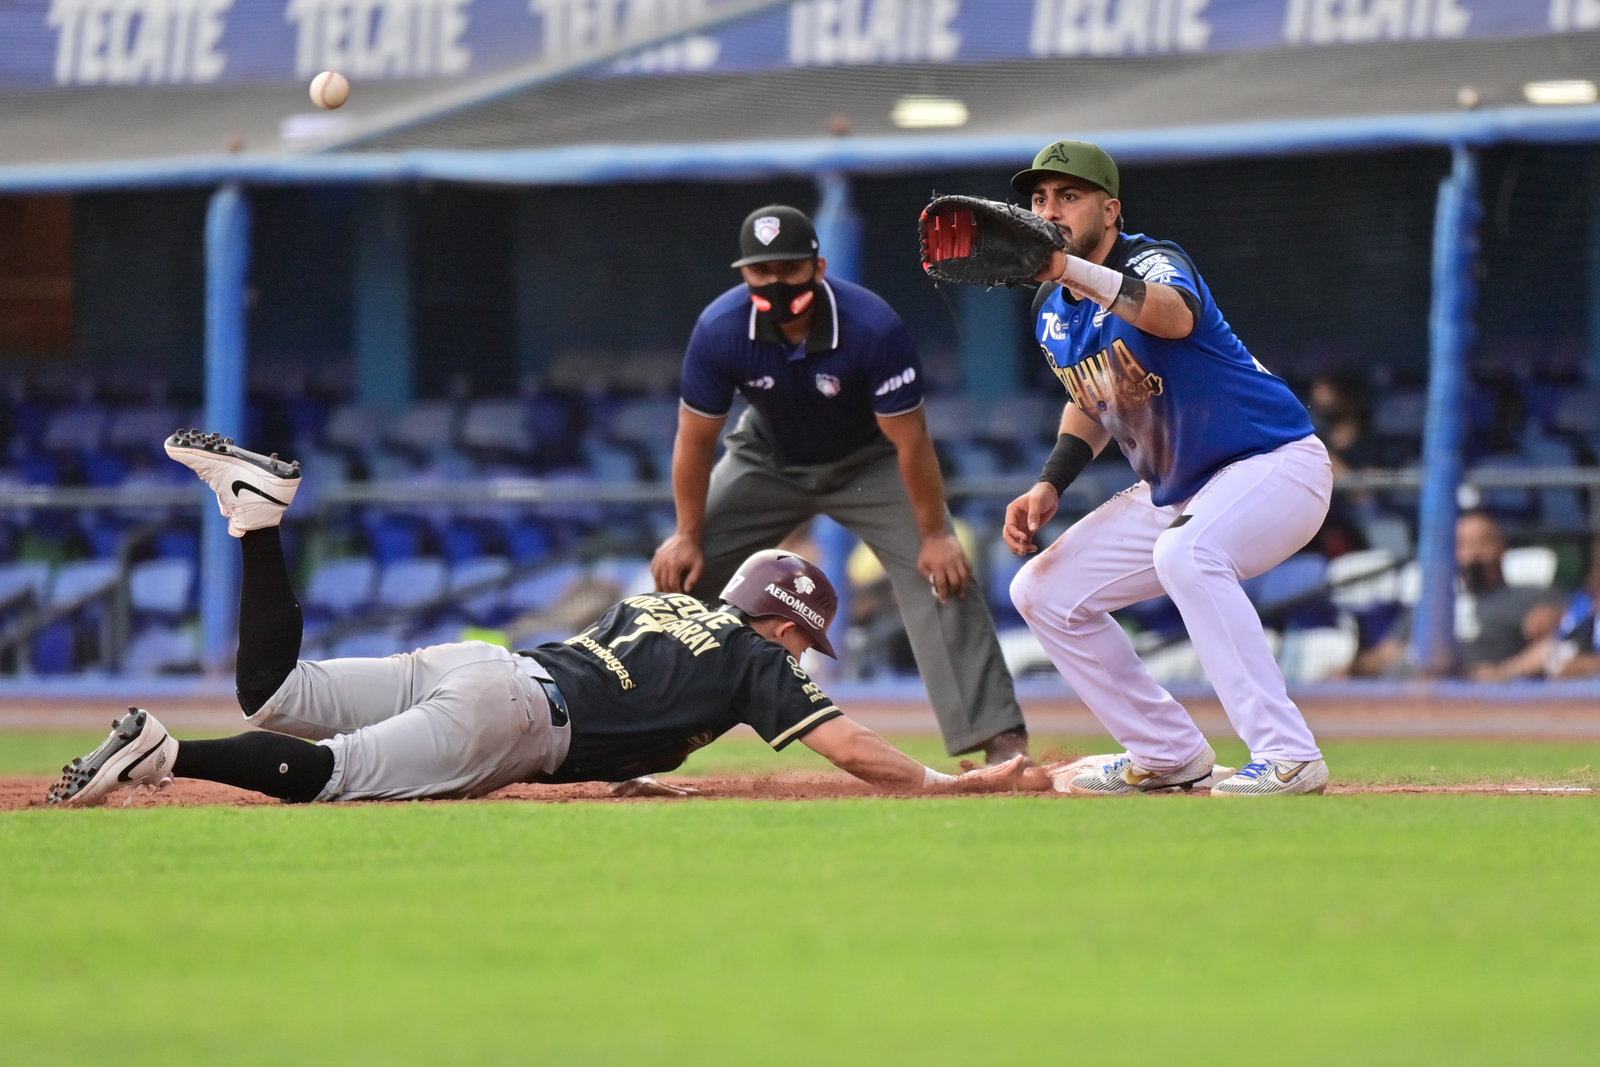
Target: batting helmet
787 586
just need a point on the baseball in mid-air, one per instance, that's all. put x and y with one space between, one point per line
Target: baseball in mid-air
329 90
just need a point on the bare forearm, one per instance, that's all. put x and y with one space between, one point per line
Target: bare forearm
1156 309
919 469
852 747
691 480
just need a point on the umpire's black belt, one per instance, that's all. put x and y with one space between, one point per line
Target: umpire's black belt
559 713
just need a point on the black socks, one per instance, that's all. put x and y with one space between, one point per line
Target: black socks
279 766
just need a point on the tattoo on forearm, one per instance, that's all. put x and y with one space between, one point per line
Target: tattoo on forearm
1130 299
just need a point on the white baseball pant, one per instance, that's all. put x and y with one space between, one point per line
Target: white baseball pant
1251 516
457 720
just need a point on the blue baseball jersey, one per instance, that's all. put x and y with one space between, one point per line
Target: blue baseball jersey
815 402
1181 410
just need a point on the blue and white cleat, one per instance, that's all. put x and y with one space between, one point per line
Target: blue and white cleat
1270 777
138 752
1117 775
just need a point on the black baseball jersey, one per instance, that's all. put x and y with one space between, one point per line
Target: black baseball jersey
661 675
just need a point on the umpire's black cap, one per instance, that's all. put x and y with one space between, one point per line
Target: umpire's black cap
775 583
776 231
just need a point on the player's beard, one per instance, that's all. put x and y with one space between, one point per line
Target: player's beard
1081 244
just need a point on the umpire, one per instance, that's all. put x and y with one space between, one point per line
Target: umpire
835 427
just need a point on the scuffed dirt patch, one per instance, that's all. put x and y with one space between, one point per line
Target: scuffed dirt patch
17 794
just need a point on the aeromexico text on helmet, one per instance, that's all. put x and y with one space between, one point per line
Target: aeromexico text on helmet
806 611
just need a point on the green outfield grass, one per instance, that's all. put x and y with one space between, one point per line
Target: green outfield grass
1398 929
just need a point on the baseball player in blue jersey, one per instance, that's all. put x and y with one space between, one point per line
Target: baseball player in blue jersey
1233 481
652 680
835 427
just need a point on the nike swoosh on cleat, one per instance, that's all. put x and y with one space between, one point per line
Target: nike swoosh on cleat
126 772
1286 779
265 496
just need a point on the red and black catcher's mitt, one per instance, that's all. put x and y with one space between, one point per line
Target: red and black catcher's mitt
971 240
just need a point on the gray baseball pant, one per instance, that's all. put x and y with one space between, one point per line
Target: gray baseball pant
457 720
754 502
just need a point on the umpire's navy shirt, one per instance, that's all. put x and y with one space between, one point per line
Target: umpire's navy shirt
814 402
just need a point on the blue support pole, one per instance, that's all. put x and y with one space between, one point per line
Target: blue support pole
838 227
382 322
226 357
1450 332
1592 364
991 322
839 234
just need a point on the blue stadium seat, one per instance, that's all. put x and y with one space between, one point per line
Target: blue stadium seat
1293 594
142 429
543 590
1513 505
499 428
370 644
529 540
631 575
411 583
395 536
486 574
83 579
161 587
341 586
612 464
55 648
426 430
162 650
77 428
20 579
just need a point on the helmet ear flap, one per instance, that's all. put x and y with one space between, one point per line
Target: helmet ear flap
775 583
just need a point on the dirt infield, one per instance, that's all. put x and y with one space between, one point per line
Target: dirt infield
1393 711
17 794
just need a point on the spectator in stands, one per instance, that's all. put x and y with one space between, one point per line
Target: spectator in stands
1493 632
1341 410
1563 641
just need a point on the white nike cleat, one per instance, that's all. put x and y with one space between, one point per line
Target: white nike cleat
1272 777
138 752
1118 775
253 490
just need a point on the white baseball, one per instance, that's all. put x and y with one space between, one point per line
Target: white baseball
329 90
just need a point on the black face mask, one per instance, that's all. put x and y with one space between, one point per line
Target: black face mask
1478 577
781 302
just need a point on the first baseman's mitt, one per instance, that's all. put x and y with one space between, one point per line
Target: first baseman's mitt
970 240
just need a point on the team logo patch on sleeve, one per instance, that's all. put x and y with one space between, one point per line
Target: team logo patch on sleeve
828 385
766 228
1154 266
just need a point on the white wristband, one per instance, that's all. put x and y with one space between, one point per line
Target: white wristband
933 777
1100 284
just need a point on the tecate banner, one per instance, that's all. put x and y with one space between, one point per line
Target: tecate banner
69 43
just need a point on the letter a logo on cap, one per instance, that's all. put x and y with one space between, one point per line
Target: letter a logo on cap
766 228
1057 154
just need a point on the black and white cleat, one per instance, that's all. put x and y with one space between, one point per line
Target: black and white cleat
138 752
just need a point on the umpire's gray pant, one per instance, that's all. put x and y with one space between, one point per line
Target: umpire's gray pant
457 720
754 502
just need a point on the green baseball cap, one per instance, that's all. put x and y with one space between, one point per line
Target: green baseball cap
1078 159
